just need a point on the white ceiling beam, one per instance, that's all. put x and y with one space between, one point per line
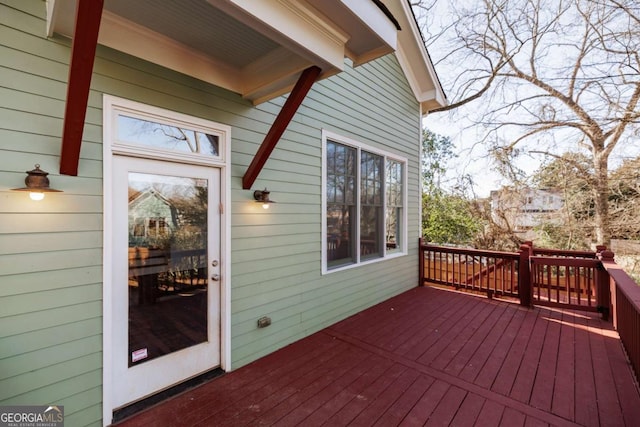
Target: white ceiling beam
294 25
118 33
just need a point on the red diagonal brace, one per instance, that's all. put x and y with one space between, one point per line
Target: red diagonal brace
83 52
300 90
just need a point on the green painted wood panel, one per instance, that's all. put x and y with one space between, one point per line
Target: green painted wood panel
46 300
38 320
36 378
23 343
36 221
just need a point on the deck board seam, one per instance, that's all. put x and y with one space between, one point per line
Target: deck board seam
469 387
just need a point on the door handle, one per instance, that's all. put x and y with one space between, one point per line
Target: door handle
215 277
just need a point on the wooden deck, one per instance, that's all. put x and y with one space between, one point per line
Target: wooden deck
427 357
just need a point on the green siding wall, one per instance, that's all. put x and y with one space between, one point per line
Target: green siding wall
51 252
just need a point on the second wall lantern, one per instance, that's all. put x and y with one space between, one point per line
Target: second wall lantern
262 196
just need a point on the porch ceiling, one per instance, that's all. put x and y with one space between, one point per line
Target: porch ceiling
256 48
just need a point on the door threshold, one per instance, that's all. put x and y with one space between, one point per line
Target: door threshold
134 408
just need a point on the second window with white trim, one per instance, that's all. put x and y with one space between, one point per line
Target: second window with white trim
364 204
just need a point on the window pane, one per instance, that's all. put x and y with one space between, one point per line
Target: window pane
340 189
393 218
393 229
350 195
370 232
166 137
167 286
371 215
340 234
341 206
331 188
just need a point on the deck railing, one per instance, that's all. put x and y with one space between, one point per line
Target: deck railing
624 306
490 272
590 281
563 278
564 282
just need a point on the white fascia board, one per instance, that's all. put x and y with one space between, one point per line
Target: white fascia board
415 62
375 19
294 25
53 9
372 17
61 17
117 33
424 85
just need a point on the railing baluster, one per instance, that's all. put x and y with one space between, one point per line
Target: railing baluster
580 271
453 267
495 274
558 271
466 268
539 281
486 272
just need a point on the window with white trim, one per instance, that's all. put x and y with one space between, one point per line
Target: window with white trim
364 203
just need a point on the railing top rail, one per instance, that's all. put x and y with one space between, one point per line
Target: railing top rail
476 252
569 262
564 253
623 281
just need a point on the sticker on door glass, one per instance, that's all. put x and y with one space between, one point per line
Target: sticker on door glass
139 355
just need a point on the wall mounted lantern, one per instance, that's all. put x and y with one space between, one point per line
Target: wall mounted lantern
37 184
262 196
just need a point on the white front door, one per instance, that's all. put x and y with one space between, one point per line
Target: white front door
165 271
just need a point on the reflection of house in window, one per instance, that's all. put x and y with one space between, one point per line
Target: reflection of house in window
151 216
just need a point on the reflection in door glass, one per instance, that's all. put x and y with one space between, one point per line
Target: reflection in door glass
167 264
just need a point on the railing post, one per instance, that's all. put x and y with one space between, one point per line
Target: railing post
420 262
606 296
524 275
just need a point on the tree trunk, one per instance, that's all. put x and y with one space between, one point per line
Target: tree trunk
601 198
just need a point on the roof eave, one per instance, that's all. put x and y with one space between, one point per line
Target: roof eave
414 59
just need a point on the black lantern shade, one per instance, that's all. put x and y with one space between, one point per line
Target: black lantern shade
262 196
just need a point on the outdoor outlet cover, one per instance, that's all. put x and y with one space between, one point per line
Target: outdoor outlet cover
263 322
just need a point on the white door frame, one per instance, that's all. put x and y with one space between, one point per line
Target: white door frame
132 383
112 107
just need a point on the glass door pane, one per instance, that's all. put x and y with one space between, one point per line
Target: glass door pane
168 277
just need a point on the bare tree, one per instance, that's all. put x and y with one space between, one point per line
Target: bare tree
547 76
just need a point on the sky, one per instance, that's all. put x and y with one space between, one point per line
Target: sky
473 156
